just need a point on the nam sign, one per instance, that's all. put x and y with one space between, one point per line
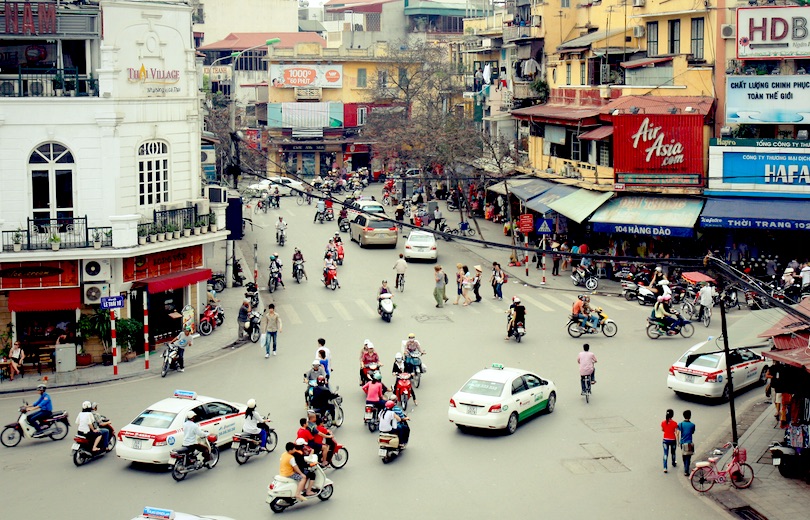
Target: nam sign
773 32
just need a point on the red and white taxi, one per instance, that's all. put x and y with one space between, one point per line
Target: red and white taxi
701 371
158 430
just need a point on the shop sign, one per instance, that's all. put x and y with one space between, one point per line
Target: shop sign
526 223
754 223
785 169
658 146
217 73
163 262
189 318
767 99
301 75
304 147
760 143
37 275
155 80
773 32
29 18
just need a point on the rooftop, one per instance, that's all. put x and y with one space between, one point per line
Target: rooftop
242 41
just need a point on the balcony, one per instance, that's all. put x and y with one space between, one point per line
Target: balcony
47 82
522 32
524 90
69 233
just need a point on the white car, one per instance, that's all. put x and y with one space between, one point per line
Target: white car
367 206
285 186
421 245
157 513
158 430
701 371
499 397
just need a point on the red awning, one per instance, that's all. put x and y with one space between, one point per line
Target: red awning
33 300
634 64
796 357
598 134
167 282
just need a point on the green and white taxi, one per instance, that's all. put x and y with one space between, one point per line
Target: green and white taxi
500 397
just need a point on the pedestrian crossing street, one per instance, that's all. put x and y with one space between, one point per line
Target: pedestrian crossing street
360 309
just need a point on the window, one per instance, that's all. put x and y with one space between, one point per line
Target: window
362 113
603 153
361 78
153 173
51 166
652 38
567 73
382 78
565 3
674 46
531 381
697 38
403 78
518 386
583 80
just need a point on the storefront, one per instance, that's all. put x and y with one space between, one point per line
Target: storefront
654 216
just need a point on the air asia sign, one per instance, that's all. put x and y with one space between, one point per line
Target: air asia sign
773 32
658 149
291 76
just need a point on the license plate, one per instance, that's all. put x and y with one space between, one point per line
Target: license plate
382 452
689 378
381 235
136 443
776 461
368 416
75 446
472 410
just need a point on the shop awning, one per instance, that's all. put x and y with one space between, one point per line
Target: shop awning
644 62
791 331
531 189
765 213
560 114
579 205
33 300
658 216
500 188
167 282
541 203
746 333
597 134
798 357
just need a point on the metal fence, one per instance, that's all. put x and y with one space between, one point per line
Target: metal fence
68 232
47 82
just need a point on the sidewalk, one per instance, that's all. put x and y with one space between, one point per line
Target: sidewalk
203 348
771 495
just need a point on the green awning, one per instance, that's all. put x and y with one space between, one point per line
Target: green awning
500 189
581 204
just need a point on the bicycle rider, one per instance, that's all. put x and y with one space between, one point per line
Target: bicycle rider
400 266
586 360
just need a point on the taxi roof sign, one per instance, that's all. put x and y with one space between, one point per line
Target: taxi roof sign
185 394
497 366
158 513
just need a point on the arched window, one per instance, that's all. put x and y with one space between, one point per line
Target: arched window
51 166
153 173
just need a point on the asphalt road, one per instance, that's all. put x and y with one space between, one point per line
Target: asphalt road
602 458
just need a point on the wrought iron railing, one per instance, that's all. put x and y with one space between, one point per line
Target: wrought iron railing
47 82
175 219
68 232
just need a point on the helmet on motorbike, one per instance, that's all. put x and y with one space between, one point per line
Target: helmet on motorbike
300 442
42 386
389 404
411 335
190 414
329 255
581 297
384 282
398 356
660 299
337 234
378 376
87 405
516 299
187 328
272 257
297 250
276 254
666 297
367 343
659 269
321 380
316 363
251 403
94 406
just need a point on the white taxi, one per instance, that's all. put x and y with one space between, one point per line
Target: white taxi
701 371
158 430
499 397
157 513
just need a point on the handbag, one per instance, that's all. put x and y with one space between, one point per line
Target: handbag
688 448
262 339
534 258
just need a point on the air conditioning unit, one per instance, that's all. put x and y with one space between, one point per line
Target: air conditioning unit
202 205
639 3
171 206
93 292
36 88
638 31
604 92
216 193
96 270
8 88
728 31
208 156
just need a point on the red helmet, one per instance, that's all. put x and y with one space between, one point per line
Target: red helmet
389 404
321 380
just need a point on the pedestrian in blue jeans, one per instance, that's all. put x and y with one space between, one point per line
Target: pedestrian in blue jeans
669 427
497 280
686 429
270 326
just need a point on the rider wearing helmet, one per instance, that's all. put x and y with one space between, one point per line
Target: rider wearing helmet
182 341
321 397
411 349
191 435
87 427
337 238
281 226
593 318
367 356
375 390
403 370
41 409
389 420
517 314
578 311
254 423
663 312
276 265
382 290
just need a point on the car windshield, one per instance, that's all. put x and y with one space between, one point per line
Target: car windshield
706 361
154 419
420 239
481 387
379 224
372 208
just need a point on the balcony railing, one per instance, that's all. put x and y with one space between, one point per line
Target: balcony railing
520 32
47 82
70 233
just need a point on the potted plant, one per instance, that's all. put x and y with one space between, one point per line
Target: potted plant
160 232
97 239
142 232
174 230
153 234
17 238
198 227
97 324
54 239
212 222
203 226
187 229
58 84
129 334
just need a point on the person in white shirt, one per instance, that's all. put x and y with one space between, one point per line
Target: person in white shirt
805 273
705 299
320 207
86 425
281 225
388 419
254 422
322 346
400 266
191 435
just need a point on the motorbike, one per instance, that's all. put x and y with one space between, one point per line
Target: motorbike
605 324
446 231
518 331
330 278
386 307
282 490
655 328
645 296
252 326
343 224
272 280
55 427
337 420
585 276
389 447
298 270
338 456
414 359
282 237
186 459
213 316
83 448
319 216
630 288
368 372
238 274
728 297
791 462
371 417
402 390
329 214
171 358
339 258
252 294
249 445
274 201
217 282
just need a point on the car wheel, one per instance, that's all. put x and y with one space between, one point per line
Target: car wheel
512 423
552 402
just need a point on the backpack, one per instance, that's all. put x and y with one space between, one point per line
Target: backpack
445 279
505 277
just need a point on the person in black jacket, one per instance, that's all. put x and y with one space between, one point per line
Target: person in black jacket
321 397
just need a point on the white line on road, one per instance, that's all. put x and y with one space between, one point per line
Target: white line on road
366 307
554 300
608 302
341 310
490 303
537 303
291 315
316 313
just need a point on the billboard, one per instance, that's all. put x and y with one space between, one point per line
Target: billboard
773 32
768 99
306 75
658 149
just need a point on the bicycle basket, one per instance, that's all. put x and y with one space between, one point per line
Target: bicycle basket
464 226
742 454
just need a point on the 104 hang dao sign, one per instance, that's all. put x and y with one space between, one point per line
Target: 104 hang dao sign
768 99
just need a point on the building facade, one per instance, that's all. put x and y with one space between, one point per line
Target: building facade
215 19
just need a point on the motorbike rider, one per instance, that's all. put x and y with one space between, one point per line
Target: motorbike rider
191 435
328 446
329 263
517 314
592 319
344 214
664 313
578 310
382 290
410 348
400 266
367 356
657 276
255 424
276 197
389 420
403 428
182 341
316 370
321 397
299 257
320 209
375 391
400 371
586 360
87 427
102 424
275 264
41 409
331 249
337 239
302 468
281 227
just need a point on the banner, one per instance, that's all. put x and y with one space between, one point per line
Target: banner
773 32
304 75
768 99
786 169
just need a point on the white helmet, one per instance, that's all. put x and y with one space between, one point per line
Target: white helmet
398 356
516 299
659 269
190 414
251 403
663 282
87 405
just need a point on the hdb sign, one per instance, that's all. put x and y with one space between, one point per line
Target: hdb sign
773 32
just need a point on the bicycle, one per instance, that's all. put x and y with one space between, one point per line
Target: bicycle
706 473
463 229
304 199
400 282
587 385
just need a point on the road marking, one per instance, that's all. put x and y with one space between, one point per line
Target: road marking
341 310
606 302
366 307
490 303
537 303
554 300
291 315
316 312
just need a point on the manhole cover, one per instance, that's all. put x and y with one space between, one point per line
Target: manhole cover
600 460
423 318
15 467
609 424
748 513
